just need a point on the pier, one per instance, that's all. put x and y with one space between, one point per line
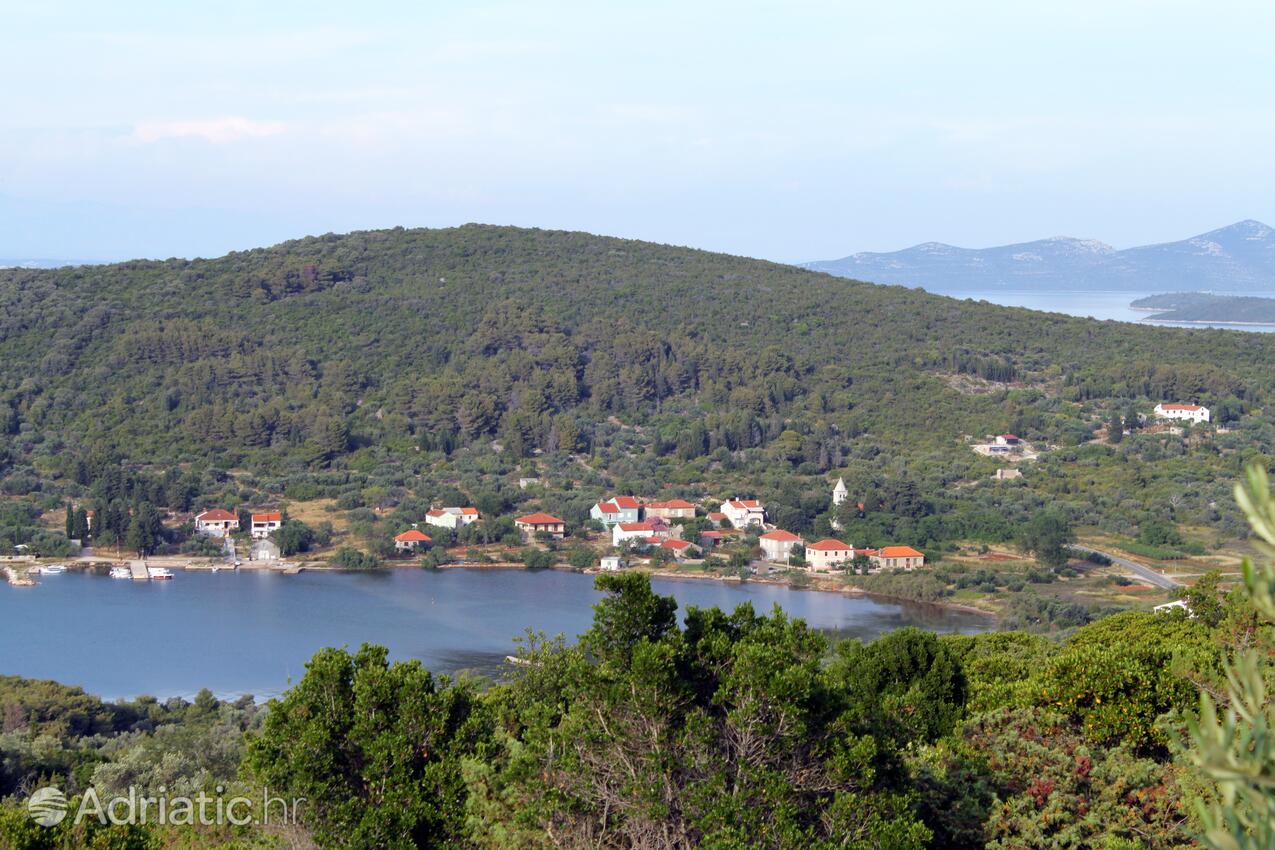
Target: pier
140 573
18 577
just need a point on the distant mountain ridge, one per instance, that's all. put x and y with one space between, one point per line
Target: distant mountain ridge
1237 258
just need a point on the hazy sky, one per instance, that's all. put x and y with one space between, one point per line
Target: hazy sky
793 130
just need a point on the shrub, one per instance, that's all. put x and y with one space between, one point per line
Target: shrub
352 559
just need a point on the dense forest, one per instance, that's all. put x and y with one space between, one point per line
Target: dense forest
391 367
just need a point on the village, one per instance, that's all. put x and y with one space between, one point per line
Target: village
731 537
624 530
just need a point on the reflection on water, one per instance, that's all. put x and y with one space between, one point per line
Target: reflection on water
251 632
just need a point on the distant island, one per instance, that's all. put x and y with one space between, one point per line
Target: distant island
1239 258
1206 307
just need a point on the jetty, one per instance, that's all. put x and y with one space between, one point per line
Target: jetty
18 578
139 570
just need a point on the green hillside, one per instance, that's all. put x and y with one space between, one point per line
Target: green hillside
394 359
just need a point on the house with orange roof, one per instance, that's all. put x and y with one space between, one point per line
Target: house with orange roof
742 513
716 518
619 509
533 524
828 555
681 549
672 509
266 523
410 540
216 522
898 558
1187 412
779 545
451 517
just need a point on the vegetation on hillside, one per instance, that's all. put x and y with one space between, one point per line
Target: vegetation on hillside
388 370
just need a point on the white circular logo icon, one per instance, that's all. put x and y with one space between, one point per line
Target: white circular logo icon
47 806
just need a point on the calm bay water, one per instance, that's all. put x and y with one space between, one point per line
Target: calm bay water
1093 305
252 632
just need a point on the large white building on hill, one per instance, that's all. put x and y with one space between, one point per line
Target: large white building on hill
1187 412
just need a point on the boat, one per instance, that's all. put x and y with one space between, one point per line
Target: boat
53 569
121 572
159 573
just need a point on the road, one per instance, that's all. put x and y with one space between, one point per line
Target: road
1145 572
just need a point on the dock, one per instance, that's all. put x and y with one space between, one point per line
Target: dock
18 578
140 573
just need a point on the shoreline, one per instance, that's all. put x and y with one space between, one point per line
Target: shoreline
1207 322
815 586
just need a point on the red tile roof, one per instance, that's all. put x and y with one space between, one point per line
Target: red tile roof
469 511
829 545
781 535
900 552
1180 407
637 526
413 536
716 515
436 512
628 503
540 519
271 516
608 508
679 545
680 504
217 515
744 503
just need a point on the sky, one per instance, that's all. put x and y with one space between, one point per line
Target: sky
788 130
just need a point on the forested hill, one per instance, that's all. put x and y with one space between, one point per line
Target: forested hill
405 340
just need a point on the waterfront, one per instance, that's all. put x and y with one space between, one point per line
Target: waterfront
1110 305
252 632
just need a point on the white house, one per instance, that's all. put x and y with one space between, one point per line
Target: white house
827 555
451 517
611 563
778 545
1173 606
619 509
655 527
216 523
265 524
1187 412
744 512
